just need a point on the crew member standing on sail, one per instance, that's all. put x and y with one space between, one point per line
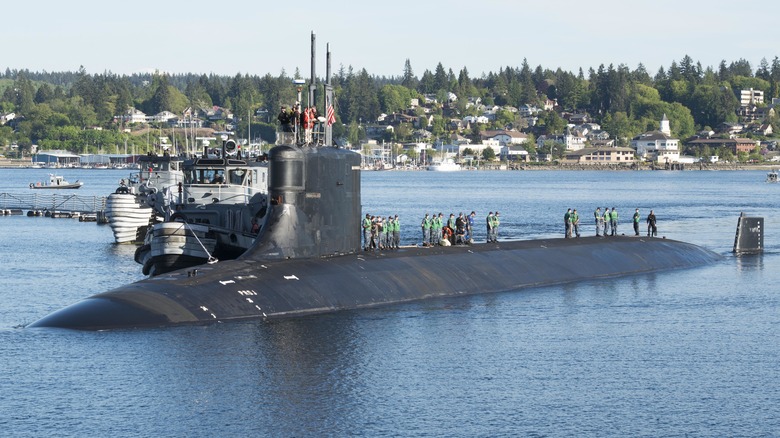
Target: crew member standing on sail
284 119
567 223
309 117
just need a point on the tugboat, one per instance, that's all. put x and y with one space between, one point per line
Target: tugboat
217 213
56 182
141 199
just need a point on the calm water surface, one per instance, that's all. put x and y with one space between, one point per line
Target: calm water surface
688 353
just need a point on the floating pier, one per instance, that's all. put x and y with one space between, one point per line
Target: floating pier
54 205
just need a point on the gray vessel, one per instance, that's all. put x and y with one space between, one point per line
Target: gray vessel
308 259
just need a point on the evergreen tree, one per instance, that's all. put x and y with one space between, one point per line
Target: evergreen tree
44 93
440 81
161 99
408 80
427 83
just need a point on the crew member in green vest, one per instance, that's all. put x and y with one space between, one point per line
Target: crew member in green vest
636 222
613 218
575 223
489 225
366 232
438 220
389 227
496 223
396 232
426 230
607 220
599 220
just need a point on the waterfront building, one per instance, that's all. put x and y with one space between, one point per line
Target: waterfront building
658 146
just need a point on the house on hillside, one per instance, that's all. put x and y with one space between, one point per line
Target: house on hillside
658 146
163 117
132 115
505 137
6 117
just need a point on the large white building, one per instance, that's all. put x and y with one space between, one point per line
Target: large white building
751 97
658 146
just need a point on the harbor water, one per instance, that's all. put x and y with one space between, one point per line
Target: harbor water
682 353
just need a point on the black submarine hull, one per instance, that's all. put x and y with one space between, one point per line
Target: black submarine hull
252 289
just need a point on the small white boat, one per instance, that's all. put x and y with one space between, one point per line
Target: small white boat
445 166
56 182
771 177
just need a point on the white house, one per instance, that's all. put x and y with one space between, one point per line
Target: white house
478 148
163 116
658 146
513 153
6 117
133 115
505 137
482 120
527 110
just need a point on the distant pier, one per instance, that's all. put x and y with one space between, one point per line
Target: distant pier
55 205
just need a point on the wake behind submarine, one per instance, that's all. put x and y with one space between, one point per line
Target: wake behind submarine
308 259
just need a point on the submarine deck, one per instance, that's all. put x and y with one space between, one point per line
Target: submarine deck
268 289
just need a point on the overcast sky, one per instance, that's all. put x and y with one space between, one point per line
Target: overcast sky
259 37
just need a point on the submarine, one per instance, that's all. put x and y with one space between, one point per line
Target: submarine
308 258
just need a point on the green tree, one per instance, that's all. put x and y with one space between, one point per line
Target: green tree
552 122
620 126
409 80
393 98
44 93
161 98
488 154
440 81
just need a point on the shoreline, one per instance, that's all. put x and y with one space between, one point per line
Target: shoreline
19 164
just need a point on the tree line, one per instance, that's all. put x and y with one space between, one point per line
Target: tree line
58 109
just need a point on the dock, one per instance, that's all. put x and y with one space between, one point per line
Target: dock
55 205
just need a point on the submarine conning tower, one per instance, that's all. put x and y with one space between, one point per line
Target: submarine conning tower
315 204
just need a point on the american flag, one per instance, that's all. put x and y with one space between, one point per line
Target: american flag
330 115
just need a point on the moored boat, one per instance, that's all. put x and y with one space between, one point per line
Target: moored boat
142 199
56 182
444 166
217 214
